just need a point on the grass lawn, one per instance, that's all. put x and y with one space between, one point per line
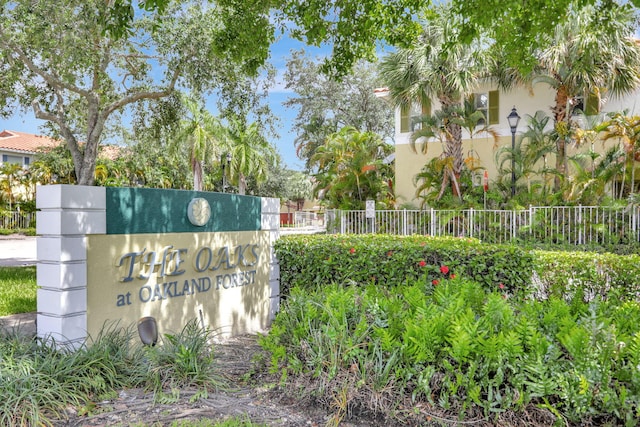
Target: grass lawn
17 290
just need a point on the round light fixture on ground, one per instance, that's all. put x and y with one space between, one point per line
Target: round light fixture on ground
148 330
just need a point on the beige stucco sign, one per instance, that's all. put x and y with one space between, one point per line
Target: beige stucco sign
218 279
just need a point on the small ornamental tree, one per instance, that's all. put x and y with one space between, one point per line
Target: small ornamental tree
78 62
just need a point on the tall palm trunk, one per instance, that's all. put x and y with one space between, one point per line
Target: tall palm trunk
196 167
560 116
453 148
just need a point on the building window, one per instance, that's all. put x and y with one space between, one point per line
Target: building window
591 108
27 161
12 159
488 103
410 116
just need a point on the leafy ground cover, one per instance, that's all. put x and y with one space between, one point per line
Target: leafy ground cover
450 350
24 231
185 381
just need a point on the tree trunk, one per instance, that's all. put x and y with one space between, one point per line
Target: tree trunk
454 151
560 116
453 147
242 184
196 167
86 174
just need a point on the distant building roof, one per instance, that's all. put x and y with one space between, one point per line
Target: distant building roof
24 142
382 92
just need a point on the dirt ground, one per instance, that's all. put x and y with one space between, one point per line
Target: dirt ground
254 400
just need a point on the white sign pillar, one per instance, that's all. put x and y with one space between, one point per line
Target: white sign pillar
67 214
270 221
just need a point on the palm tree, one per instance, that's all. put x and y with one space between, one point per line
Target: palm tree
506 156
430 185
351 169
436 67
539 144
435 128
475 123
10 180
250 153
204 135
588 184
626 130
588 56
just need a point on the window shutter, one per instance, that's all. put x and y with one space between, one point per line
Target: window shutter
426 107
592 106
405 118
494 107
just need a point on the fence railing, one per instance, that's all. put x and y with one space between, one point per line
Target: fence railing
557 224
13 220
301 219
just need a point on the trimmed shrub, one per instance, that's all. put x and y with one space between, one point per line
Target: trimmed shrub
587 275
311 261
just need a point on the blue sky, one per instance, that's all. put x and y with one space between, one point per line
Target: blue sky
280 51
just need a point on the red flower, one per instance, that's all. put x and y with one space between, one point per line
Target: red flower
389 253
444 269
435 282
453 276
422 263
352 250
501 285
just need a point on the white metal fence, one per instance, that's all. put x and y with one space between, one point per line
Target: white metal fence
307 219
557 224
13 220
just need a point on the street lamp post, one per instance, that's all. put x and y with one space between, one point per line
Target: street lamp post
513 119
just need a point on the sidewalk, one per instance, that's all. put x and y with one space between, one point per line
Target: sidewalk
17 250
23 324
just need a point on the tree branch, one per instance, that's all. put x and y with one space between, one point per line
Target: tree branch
49 78
144 95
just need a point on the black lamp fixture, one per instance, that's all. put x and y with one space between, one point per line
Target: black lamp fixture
148 330
513 119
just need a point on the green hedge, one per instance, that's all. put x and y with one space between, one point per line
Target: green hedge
318 260
587 275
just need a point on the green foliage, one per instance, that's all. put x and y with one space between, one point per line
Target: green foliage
460 351
41 379
351 170
184 360
23 231
389 261
588 275
353 28
195 45
325 105
17 290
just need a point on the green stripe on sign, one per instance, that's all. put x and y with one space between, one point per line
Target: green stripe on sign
149 210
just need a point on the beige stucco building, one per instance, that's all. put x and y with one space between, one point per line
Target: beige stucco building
22 148
497 105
